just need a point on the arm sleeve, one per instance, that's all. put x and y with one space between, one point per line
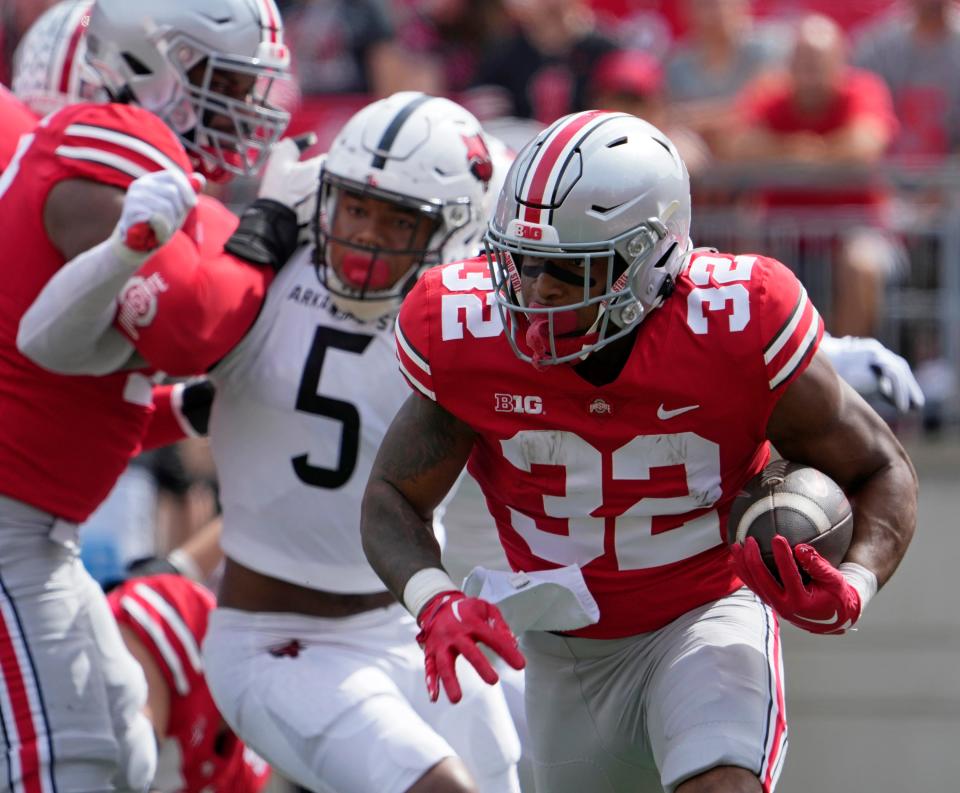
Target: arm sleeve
168 613
68 327
167 424
790 326
413 341
183 313
112 144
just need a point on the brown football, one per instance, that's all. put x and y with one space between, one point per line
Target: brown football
797 502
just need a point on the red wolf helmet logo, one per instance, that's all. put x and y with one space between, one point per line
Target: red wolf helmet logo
478 156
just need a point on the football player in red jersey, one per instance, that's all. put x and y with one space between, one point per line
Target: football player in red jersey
611 389
188 91
163 619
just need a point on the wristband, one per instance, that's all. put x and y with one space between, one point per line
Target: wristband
861 579
185 563
423 586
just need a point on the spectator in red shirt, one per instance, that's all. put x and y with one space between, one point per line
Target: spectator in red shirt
820 116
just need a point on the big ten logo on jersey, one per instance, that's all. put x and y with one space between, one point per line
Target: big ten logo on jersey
517 403
469 301
718 286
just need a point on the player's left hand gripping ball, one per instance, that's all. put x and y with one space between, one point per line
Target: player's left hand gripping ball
828 603
451 624
154 208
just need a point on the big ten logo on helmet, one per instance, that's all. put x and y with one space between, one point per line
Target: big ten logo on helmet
516 403
532 232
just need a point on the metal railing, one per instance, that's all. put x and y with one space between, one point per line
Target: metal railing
921 309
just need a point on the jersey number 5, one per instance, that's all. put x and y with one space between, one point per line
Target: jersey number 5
309 401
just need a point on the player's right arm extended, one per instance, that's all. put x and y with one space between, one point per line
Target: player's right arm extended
423 453
105 239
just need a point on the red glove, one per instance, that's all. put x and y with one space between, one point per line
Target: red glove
827 604
452 624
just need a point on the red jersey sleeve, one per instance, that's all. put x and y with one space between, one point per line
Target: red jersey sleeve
166 424
413 337
110 143
191 303
789 324
15 120
168 614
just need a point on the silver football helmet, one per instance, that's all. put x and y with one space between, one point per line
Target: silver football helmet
206 67
49 65
419 152
594 186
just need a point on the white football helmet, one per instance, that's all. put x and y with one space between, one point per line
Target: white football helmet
49 67
417 151
195 63
593 186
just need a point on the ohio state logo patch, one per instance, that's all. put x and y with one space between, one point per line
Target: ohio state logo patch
138 302
600 407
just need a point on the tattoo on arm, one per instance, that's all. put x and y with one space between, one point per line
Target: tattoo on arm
416 451
420 458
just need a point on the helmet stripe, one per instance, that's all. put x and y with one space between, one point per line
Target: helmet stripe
393 129
544 170
67 67
269 21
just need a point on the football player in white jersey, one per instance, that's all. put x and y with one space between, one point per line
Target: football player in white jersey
310 659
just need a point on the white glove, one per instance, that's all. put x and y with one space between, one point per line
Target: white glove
154 208
871 368
291 182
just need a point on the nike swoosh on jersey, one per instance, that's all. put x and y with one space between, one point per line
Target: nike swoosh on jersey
663 414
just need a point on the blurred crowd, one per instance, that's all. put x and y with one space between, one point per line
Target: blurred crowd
821 127
811 94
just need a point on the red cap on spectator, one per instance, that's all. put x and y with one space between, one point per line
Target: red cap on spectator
627 72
